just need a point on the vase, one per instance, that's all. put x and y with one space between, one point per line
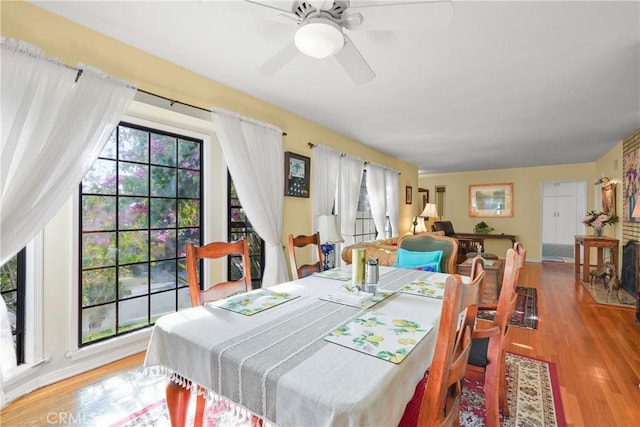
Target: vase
597 232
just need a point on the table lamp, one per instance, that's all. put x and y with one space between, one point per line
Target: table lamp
430 211
329 234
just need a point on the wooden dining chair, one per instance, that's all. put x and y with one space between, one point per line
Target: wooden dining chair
298 272
487 360
201 295
438 402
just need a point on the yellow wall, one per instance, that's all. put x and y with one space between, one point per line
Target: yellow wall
527 192
74 44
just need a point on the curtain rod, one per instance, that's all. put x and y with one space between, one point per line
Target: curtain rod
314 145
171 101
175 101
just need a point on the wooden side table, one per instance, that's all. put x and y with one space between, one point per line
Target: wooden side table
588 242
492 280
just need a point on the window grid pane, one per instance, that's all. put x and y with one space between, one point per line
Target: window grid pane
240 227
12 289
141 203
365 228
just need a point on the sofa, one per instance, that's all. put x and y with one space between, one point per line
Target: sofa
385 250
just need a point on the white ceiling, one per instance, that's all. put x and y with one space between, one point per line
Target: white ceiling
505 84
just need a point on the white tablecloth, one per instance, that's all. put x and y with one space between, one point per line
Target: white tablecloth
277 364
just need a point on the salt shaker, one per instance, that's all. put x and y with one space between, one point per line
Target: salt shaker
373 274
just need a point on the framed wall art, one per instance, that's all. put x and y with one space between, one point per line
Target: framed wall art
609 198
491 200
297 171
408 197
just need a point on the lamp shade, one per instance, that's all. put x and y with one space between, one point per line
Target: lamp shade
319 39
430 211
636 210
328 228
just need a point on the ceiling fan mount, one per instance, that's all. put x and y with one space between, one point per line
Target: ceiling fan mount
303 9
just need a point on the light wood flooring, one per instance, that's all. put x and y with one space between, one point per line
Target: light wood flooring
596 349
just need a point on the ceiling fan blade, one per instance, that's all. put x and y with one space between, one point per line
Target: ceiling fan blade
399 16
279 60
354 63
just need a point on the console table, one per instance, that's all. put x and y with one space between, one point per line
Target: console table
588 242
481 237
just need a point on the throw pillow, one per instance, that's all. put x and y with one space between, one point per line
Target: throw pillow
432 266
412 259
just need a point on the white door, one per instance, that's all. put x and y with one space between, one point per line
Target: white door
563 206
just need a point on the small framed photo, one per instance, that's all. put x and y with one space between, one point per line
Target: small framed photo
491 200
408 195
297 171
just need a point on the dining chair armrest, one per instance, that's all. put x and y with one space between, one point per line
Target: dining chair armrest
482 307
486 332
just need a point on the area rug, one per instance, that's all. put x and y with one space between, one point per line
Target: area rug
533 395
601 294
526 313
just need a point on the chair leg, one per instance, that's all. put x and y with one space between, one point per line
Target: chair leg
504 403
491 390
198 420
178 403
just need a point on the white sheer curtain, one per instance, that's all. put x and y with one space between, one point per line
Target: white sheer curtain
53 128
325 168
255 157
393 200
351 169
377 191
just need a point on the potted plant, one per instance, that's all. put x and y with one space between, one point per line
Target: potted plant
482 228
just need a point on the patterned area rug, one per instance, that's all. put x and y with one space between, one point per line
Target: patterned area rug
526 312
534 400
533 395
601 294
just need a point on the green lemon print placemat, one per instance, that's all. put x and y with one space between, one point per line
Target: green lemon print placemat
338 273
431 286
387 337
254 301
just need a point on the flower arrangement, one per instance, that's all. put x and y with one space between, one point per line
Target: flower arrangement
598 219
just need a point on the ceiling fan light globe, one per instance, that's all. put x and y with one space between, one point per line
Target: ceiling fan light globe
319 39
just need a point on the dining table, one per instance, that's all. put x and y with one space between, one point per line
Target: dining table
307 352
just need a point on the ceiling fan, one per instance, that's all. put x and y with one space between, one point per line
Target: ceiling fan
321 25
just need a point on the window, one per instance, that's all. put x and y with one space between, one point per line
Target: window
240 227
365 227
141 201
12 288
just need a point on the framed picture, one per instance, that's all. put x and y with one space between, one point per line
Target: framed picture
408 195
297 170
609 198
425 196
491 200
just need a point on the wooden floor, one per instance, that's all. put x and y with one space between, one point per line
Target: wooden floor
596 349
